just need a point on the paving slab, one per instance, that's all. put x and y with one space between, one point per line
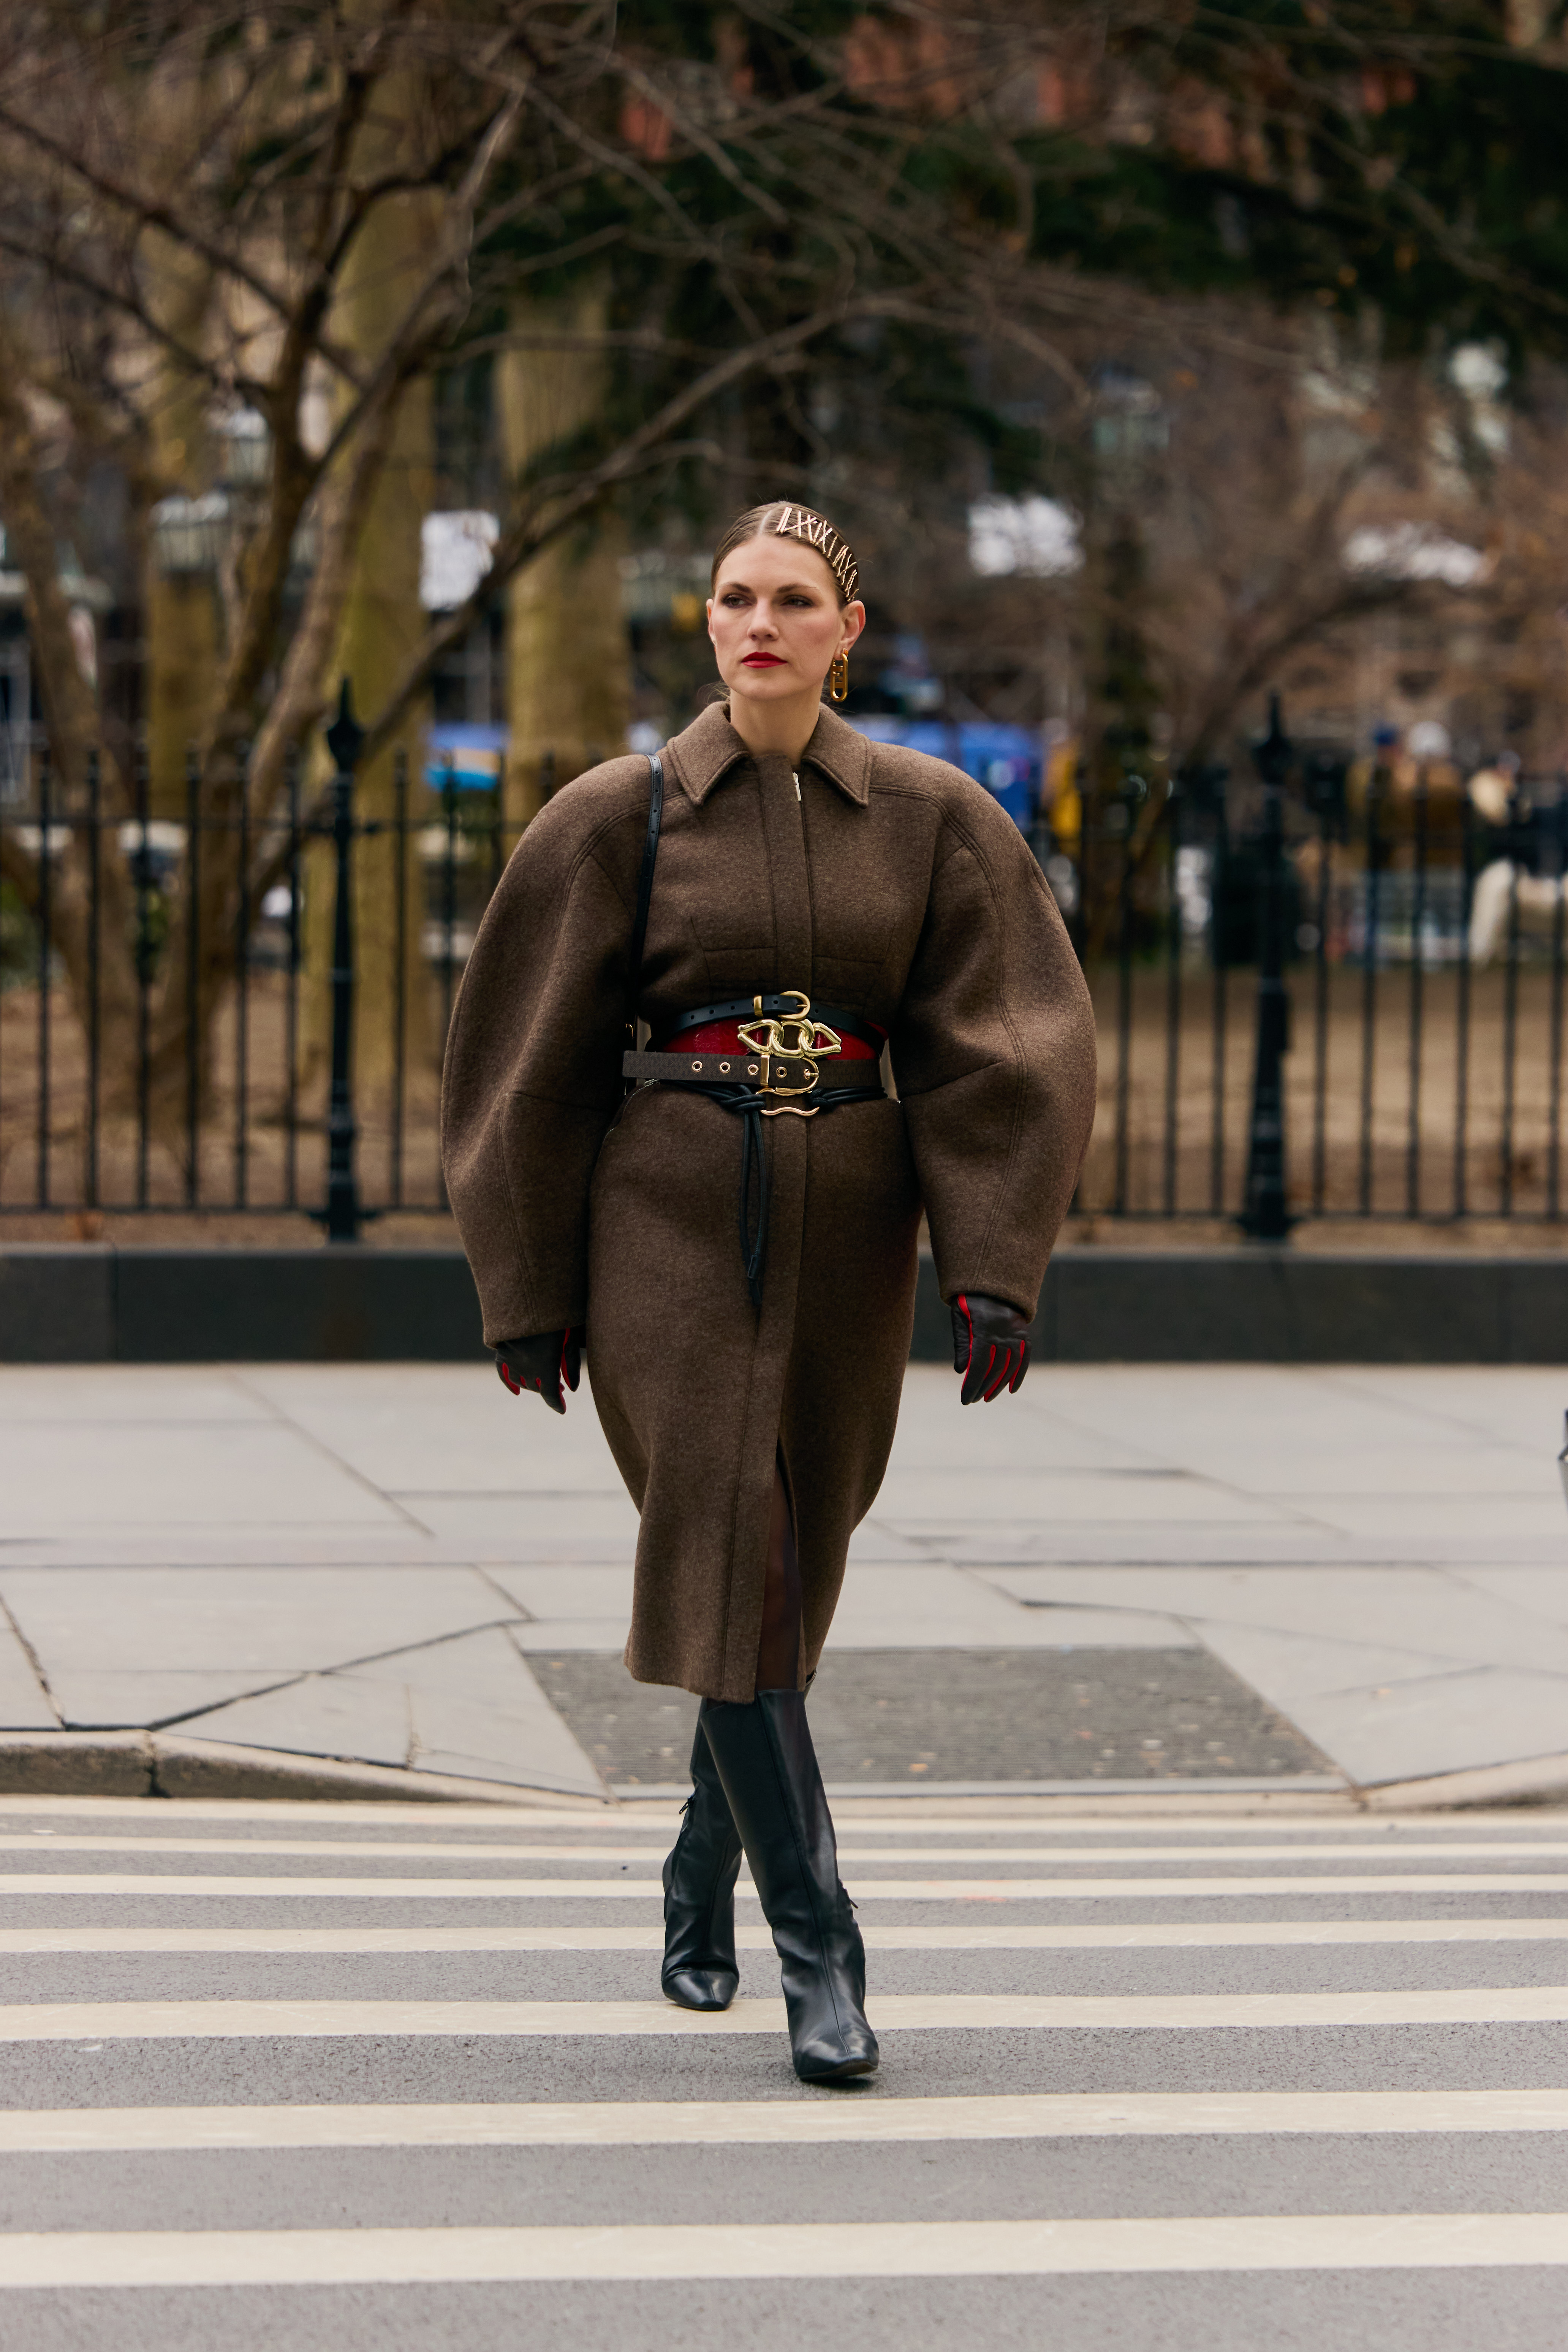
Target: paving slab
86 1473
605 1634
1230 1422
402 1564
589 1527
439 1428
125 1645
1284 1543
23 1702
1476 1520
875 1545
1520 1405
1535 1592
1446 1723
931 1436
319 1714
150 1394
927 1607
469 1706
581 1591
1451 1462
1396 1607
1298 1667
1166 1496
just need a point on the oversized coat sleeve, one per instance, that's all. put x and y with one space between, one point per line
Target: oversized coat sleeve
532 1078
994 1053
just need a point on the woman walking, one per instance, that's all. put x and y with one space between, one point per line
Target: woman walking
727 1218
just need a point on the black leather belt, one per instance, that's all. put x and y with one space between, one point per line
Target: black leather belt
768 1073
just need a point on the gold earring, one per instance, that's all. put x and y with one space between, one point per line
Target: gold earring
838 676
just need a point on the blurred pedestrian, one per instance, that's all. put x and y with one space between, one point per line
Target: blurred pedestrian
729 1219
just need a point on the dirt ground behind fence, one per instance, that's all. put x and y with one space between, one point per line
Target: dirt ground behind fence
1388 1117
250 1159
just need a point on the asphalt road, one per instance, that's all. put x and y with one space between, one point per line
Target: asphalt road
344 2076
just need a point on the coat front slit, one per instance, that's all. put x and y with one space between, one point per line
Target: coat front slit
894 888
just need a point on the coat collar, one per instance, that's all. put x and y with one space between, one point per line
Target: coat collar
704 752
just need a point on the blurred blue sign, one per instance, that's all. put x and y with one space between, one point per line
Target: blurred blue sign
1007 760
470 757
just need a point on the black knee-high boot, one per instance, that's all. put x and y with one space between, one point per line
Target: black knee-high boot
699 1971
768 1766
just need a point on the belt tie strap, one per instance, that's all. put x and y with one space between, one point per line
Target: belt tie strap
784 1060
755 1248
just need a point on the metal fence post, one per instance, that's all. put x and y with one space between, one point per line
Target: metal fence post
1265 1215
342 1215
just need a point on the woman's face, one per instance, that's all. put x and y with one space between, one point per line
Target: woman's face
775 620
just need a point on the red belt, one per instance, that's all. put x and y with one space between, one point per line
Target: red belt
724 1037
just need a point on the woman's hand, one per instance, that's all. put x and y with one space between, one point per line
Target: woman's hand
549 1362
990 1346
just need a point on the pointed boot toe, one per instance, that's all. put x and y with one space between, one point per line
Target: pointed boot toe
699 1988
837 2057
829 2035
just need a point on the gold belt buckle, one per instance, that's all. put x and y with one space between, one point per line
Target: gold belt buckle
769 1085
793 1037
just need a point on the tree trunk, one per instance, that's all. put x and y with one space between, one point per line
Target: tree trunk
382 623
1119 704
184 630
568 656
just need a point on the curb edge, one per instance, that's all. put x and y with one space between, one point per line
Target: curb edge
154 1764
1533 1780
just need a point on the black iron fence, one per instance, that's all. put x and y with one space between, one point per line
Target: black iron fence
1332 992
213 1008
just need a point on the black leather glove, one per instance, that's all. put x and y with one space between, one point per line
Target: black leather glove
990 1346
549 1362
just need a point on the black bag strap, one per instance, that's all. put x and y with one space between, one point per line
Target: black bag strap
644 890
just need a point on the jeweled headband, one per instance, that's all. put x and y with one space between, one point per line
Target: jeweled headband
815 531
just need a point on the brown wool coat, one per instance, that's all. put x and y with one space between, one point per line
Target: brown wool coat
895 887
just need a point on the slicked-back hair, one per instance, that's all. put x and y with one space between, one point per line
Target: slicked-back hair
781 519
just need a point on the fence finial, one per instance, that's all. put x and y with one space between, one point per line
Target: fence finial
345 734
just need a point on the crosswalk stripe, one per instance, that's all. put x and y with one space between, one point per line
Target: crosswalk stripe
503 1813
363 1849
88 2258
1181 1934
914 1816
163 2021
770 2123
910 1817
262 1887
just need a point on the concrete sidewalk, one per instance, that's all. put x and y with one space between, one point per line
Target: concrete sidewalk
1211 1576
